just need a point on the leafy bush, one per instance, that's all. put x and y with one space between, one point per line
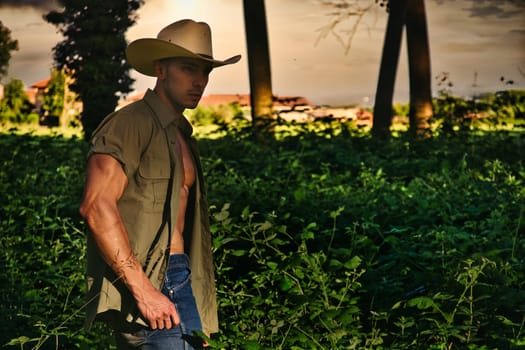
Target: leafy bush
222 114
42 241
508 107
504 108
15 106
323 239
420 218
401 109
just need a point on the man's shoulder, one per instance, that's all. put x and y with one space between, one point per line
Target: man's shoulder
137 114
133 120
137 109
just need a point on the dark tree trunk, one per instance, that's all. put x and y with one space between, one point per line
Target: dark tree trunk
419 69
261 96
388 69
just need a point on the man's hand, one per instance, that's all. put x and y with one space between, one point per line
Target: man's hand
157 309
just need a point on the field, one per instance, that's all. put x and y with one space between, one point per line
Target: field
324 238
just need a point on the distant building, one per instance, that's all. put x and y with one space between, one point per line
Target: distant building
72 107
279 102
286 107
242 100
289 108
36 95
293 108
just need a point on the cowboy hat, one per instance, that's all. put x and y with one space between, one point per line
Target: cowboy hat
185 38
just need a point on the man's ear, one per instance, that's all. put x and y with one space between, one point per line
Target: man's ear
160 69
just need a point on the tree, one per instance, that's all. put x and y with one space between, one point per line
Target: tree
53 103
388 70
7 44
419 69
15 106
93 52
261 96
409 14
342 11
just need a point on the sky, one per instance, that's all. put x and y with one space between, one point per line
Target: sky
475 41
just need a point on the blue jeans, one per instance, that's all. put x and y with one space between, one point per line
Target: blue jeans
177 287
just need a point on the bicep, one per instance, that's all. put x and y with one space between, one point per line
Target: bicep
105 182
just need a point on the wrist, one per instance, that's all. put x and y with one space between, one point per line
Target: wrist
132 274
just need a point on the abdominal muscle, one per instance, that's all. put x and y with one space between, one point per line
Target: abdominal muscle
177 240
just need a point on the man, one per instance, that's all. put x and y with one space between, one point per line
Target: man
145 205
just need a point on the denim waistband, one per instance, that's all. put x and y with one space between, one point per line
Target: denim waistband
178 273
178 261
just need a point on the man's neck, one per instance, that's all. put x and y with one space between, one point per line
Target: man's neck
175 109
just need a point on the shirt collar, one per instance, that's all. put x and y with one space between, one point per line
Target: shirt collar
165 116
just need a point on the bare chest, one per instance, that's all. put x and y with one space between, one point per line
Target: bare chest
188 164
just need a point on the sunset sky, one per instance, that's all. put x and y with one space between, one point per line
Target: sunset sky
475 41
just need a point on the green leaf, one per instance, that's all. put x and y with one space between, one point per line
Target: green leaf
21 340
285 284
422 303
397 305
353 263
238 252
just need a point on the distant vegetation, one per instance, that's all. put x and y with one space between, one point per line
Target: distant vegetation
323 238
503 109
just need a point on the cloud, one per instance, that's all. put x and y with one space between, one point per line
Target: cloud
44 5
496 8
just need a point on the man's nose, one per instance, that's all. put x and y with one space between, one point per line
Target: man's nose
201 80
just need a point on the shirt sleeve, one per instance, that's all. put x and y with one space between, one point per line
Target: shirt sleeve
122 135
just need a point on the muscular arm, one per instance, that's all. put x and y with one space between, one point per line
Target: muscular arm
105 184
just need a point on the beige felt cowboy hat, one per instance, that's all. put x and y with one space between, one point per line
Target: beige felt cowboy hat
185 38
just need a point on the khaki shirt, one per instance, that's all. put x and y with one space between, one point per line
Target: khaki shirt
141 137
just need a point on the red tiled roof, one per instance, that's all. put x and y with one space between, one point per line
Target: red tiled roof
242 99
215 100
40 84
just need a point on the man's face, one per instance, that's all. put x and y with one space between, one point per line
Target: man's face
182 81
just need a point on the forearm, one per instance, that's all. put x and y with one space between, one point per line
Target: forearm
110 235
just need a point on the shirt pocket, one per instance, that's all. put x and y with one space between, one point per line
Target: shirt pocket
153 178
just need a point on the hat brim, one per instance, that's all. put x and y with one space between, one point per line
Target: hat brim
142 54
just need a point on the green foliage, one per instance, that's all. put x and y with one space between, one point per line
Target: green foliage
324 238
7 44
498 110
507 107
222 114
503 109
42 242
15 106
53 103
276 293
400 109
93 51
413 214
